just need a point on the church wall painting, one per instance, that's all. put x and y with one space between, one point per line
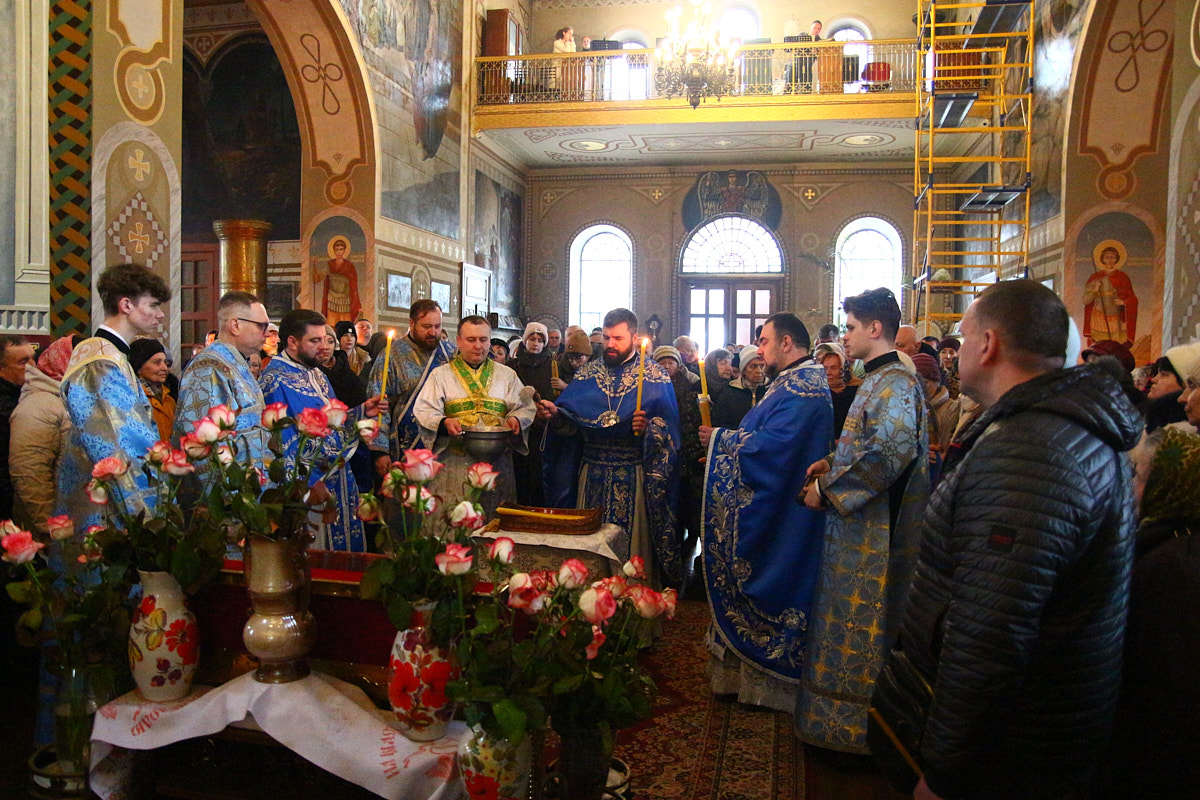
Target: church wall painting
413 51
1114 286
498 241
340 266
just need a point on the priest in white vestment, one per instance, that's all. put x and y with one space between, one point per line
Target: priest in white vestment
473 391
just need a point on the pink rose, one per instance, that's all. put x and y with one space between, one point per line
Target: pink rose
96 493
598 638
616 585
420 499
193 447
91 531
313 422
177 463
421 465
206 431
670 599
336 411
648 603
7 526
60 527
635 567
224 455
273 414
501 550
226 420
368 429
597 604
20 547
455 561
482 476
466 515
368 508
158 452
572 574
388 487
525 594
109 468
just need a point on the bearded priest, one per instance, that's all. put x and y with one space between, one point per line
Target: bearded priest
762 549
603 451
469 392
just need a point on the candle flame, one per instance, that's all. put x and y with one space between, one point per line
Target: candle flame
391 334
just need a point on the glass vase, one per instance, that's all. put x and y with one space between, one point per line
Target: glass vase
584 760
74 712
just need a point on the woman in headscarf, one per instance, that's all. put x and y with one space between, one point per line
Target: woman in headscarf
832 356
1156 748
743 392
37 426
718 368
148 358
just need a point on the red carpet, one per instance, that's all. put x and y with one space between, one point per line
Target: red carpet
697 747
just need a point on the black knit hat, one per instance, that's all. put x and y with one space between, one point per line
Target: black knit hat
343 327
142 350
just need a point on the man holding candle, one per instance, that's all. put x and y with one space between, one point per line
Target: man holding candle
875 485
473 391
761 549
607 450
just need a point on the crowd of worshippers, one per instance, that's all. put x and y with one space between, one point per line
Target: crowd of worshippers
1010 517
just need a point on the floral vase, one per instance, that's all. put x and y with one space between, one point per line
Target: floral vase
281 629
584 760
493 767
418 671
164 641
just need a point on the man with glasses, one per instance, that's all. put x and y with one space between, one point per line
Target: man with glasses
875 485
220 375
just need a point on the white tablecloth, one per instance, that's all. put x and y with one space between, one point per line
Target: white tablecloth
329 722
601 551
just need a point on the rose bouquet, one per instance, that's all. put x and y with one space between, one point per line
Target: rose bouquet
276 505
430 562
558 644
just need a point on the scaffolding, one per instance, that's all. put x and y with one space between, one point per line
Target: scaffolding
971 171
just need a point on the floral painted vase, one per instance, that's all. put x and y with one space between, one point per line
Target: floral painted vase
418 672
164 641
493 768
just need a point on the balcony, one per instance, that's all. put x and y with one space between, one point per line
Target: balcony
775 82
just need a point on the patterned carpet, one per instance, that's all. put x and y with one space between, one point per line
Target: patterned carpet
697 747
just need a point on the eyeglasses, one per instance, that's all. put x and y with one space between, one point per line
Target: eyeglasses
262 326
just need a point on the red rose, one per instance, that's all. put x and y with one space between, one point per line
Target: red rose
313 422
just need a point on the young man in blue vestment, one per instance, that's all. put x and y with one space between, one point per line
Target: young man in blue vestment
294 377
762 550
220 375
875 484
604 452
109 412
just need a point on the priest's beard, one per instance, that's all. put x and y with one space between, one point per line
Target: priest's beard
613 357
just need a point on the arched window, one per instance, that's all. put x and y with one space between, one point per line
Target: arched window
848 33
739 22
732 244
601 274
869 254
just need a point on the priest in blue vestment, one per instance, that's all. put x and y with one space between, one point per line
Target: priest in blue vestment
602 452
220 375
293 377
762 549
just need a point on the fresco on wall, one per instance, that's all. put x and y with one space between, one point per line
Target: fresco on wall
413 49
8 159
498 240
743 192
337 254
1114 262
241 143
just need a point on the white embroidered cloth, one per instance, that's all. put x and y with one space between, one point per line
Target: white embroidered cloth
548 550
329 722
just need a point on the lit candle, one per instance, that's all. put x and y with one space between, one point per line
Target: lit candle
703 379
641 374
387 360
705 410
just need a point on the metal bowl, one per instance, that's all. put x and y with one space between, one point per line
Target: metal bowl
487 441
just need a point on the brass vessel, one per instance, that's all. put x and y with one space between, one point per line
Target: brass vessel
281 629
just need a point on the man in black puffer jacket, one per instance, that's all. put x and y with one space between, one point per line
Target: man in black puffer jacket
1017 610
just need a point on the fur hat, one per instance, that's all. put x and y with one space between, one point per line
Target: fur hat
578 342
1185 360
536 327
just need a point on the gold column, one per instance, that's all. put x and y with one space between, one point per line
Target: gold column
243 255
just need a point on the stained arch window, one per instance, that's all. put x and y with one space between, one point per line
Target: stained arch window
601 274
732 244
869 254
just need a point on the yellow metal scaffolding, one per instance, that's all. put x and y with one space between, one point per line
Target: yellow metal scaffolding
971 173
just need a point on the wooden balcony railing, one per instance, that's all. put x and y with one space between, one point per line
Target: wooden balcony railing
762 70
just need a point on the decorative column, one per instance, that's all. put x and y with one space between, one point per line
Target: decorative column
243 255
